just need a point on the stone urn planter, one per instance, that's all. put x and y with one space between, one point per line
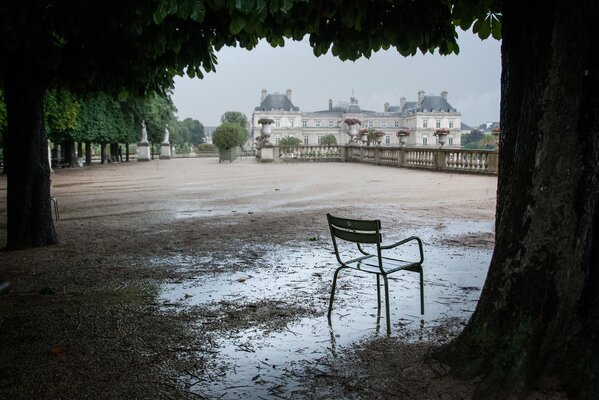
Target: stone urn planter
403 134
442 135
265 130
378 137
353 125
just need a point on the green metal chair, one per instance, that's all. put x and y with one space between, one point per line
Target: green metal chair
367 232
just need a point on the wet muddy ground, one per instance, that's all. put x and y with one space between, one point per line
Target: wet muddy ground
193 279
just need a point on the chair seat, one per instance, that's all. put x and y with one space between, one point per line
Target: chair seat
370 264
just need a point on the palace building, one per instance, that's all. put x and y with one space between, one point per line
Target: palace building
422 116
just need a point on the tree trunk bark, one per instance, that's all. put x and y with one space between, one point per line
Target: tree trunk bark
102 153
126 152
88 153
69 152
79 150
29 212
537 322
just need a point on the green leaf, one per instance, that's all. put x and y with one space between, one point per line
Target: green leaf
159 14
237 25
485 29
496 29
198 12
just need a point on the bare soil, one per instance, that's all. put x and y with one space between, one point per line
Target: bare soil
85 318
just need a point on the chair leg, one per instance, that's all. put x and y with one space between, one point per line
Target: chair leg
56 211
421 293
378 292
387 313
333 291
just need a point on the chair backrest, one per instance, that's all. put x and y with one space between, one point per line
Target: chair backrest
355 230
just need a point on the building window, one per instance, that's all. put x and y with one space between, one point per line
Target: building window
451 123
278 123
383 124
370 124
424 140
330 123
306 141
387 139
304 123
425 123
396 124
438 123
277 139
317 123
450 141
319 139
290 123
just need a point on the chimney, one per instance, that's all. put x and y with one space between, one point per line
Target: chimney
330 104
264 93
420 96
289 94
444 95
402 102
386 107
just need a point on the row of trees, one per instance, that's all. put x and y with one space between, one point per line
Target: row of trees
105 119
478 140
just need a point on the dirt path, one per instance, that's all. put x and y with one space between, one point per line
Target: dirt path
192 279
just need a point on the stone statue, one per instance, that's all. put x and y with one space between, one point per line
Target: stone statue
166 136
144 132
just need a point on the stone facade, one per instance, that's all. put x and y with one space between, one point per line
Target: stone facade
423 117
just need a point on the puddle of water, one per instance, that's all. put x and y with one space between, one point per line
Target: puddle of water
264 364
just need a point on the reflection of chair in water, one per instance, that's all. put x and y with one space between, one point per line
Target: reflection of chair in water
367 232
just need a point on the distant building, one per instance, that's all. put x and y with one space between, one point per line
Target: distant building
423 116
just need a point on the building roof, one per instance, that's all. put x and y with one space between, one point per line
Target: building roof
343 107
276 101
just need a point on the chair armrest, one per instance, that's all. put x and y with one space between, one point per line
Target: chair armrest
411 238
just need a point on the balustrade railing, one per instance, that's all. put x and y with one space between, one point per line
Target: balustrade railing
310 153
444 159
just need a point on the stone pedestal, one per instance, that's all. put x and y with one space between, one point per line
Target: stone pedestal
267 154
143 152
165 151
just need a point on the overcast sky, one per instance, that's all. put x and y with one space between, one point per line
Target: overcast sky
471 78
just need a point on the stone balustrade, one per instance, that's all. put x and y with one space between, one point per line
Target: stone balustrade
444 159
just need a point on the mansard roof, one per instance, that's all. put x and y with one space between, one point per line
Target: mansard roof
429 103
276 101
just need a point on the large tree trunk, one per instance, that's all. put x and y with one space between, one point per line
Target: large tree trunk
29 221
537 322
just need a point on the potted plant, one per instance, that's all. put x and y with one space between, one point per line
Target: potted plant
441 134
378 136
403 134
352 128
227 138
266 129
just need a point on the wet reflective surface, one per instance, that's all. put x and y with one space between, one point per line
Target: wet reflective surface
260 362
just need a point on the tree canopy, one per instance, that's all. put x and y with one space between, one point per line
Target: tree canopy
235 117
536 321
229 135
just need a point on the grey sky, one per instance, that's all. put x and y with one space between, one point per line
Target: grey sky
471 78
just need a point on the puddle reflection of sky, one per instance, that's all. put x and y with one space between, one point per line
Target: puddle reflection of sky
263 364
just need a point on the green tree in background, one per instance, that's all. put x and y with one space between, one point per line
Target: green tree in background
234 117
328 140
228 136
288 142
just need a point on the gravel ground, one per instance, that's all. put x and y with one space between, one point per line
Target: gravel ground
84 319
